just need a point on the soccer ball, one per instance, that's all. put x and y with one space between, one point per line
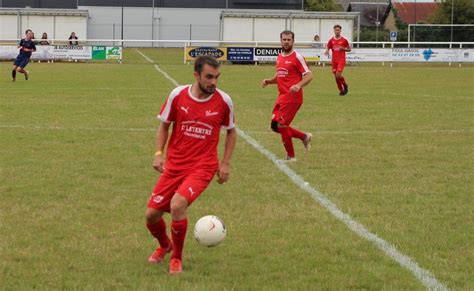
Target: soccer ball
209 230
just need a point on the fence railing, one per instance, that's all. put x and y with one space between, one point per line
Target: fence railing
250 51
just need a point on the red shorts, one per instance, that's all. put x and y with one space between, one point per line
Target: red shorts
338 66
284 113
188 184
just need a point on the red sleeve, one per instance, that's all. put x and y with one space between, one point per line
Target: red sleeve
168 110
301 64
329 45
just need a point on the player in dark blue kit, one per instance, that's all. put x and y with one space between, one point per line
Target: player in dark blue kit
27 46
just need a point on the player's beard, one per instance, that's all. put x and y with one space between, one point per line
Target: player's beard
209 90
287 49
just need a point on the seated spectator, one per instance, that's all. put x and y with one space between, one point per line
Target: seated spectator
317 42
71 37
44 39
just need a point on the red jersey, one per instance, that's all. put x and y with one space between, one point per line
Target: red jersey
290 70
197 122
337 46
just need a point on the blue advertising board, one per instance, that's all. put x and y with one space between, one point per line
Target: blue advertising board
240 54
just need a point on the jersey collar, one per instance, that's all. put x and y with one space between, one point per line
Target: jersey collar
197 99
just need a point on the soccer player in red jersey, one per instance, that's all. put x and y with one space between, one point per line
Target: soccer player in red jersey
198 112
339 46
292 74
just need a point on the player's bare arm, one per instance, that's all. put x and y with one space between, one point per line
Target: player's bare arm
229 145
266 82
305 81
161 139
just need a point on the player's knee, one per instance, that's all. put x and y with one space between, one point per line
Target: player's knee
152 216
178 206
274 126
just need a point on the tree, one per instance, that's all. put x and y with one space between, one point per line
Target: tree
463 12
321 5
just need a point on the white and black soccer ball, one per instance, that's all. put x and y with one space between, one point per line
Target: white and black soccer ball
209 230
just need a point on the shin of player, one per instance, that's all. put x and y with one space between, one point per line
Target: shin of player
292 74
27 47
198 112
339 46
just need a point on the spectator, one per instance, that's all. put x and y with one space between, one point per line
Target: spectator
44 39
317 42
71 37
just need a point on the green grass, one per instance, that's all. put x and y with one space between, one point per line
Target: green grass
77 143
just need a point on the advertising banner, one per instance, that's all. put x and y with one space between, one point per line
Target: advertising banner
72 52
106 53
218 53
266 54
466 55
311 54
66 52
369 55
240 54
426 55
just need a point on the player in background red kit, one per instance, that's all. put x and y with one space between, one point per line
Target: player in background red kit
292 74
339 46
198 112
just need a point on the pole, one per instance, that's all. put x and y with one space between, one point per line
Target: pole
452 18
122 25
414 27
409 29
377 25
153 23
358 29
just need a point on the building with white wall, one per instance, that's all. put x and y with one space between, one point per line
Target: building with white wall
57 23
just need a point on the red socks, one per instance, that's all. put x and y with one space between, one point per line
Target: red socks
287 142
339 84
297 134
178 234
343 81
158 230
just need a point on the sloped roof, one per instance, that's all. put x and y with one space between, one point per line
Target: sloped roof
370 12
407 11
346 3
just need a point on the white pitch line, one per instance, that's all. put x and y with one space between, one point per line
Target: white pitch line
424 276
144 56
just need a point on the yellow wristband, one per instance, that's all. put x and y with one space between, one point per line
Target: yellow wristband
158 153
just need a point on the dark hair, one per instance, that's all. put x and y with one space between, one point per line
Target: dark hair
337 25
205 60
287 32
28 30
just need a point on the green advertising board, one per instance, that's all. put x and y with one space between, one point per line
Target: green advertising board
106 53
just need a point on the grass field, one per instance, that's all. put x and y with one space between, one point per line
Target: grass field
396 154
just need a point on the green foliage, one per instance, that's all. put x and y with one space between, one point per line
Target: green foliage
369 33
321 5
463 12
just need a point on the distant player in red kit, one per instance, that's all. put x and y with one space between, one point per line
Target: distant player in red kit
198 112
292 74
339 46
